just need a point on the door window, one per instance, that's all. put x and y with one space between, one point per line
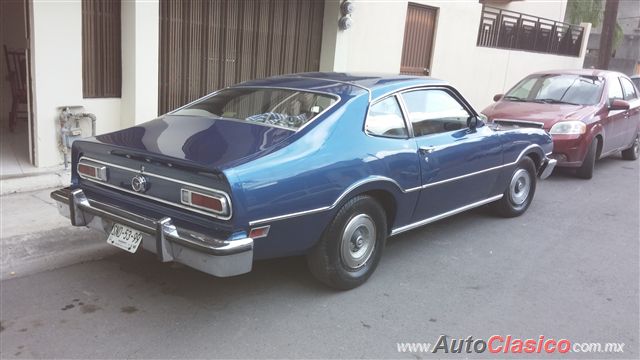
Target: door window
629 89
615 91
385 119
434 111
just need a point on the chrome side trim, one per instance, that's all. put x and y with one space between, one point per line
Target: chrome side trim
428 185
291 215
444 215
335 203
522 153
382 178
216 191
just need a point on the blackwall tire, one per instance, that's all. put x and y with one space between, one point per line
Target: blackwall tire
520 190
633 152
351 246
586 170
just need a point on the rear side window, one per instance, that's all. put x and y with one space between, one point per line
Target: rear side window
434 111
385 119
629 90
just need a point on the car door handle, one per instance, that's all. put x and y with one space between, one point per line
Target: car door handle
427 149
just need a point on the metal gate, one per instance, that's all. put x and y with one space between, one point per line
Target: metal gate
418 40
208 45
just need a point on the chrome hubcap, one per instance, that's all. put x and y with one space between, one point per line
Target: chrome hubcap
520 187
358 241
636 146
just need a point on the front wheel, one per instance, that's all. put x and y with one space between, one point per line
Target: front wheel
351 246
519 193
633 151
585 171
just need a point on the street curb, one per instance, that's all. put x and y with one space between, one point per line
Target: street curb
31 253
33 182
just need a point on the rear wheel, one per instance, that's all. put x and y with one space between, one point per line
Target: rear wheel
519 193
586 170
351 247
633 152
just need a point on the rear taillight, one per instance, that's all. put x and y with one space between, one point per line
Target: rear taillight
95 172
216 204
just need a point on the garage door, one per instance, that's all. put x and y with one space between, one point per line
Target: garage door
208 45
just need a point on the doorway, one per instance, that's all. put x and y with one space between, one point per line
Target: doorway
419 32
16 130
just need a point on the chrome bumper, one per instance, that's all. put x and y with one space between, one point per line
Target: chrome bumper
170 243
547 168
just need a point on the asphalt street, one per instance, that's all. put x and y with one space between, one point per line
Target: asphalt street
568 268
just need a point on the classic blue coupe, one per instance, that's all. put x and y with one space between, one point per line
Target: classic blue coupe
326 165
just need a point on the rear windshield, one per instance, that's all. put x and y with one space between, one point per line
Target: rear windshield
285 108
558 89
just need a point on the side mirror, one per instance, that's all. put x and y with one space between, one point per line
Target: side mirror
497 97
618 104
474 122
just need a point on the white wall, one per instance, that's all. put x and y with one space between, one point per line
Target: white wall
57 78
371 45
140 61
480 72
374 44
549 9
57 63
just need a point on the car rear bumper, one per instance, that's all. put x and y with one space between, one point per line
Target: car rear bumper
219 257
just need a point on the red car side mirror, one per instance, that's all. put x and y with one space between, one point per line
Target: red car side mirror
497 97
618 104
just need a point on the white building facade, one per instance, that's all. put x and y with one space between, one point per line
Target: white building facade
374 43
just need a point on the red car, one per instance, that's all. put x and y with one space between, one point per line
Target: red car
590 114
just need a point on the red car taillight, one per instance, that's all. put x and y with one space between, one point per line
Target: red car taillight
209 202
97 172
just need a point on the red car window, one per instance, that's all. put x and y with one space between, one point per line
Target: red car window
629 89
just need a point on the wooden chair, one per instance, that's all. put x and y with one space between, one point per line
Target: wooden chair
17 77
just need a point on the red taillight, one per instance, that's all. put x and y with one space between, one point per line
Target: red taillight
213 203
87 170
207 202
96 172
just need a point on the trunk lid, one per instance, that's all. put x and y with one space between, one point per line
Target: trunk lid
202 141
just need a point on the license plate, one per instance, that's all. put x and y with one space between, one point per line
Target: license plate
125 238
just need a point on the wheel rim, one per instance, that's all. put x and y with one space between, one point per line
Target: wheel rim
520 186
358 241
636 146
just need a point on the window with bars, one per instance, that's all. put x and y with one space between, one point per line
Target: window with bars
101 49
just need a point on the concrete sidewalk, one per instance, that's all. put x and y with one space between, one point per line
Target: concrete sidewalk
34 237
34 180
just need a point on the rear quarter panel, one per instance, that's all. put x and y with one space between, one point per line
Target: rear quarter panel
323 166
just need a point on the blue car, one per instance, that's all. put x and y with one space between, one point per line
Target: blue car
327 165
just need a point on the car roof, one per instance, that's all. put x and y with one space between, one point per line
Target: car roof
584 72
345 83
